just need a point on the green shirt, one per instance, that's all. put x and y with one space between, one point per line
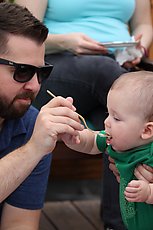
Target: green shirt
135 215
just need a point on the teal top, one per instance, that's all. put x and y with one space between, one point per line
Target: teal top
102 20
135 215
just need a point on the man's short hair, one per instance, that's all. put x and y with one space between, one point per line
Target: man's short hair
18 20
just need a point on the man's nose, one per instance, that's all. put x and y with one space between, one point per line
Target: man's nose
33 84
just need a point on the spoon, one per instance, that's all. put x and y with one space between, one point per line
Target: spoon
81 117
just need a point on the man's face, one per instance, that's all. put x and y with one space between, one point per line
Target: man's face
16 97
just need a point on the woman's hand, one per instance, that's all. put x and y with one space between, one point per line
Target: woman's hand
113 168
79 43
132 64
135 61
144 172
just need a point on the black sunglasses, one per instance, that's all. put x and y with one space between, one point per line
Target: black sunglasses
24 72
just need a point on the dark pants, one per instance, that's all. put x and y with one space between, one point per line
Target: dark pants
110 209
87 78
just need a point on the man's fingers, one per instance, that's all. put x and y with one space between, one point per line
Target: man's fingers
60 101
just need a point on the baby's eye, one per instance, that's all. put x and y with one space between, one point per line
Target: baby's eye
116 119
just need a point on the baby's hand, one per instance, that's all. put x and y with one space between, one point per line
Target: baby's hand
137 191
70 139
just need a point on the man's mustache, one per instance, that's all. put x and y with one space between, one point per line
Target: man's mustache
25 95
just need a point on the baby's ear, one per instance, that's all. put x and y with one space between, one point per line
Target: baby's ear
147 131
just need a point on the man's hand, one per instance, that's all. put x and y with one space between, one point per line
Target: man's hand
56 118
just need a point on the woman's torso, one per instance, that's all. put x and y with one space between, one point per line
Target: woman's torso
102 20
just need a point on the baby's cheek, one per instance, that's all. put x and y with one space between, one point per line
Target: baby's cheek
120 145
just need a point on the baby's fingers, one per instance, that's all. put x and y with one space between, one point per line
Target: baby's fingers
131 194
131 199
134 183
131 189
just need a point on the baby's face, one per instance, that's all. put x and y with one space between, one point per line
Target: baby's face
124 123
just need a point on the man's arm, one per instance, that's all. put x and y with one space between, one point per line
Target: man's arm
15 167
16 218
51 122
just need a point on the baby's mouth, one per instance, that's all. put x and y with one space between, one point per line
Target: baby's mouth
108 136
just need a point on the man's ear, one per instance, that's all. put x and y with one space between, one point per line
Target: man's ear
147 131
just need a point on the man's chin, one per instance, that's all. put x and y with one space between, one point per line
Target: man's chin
15 113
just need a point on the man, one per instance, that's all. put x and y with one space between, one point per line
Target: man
26 137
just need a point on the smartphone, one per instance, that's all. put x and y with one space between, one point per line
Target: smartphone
120 44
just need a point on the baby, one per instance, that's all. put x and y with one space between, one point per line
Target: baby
128 138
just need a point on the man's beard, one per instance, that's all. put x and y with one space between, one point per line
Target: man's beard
10 111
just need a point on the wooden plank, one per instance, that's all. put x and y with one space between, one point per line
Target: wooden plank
45 223
69 164
61 151
81 169
65 216
91 210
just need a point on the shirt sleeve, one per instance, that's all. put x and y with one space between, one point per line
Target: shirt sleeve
101 141
31 193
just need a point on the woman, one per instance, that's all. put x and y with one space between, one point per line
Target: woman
83 67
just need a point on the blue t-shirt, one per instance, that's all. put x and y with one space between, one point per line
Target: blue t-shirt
15 133
102 20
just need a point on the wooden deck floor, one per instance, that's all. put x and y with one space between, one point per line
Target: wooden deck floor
71 215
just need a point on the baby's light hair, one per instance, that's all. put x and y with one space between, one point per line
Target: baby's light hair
140 85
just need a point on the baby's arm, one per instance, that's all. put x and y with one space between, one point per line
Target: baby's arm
139 191
84 142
